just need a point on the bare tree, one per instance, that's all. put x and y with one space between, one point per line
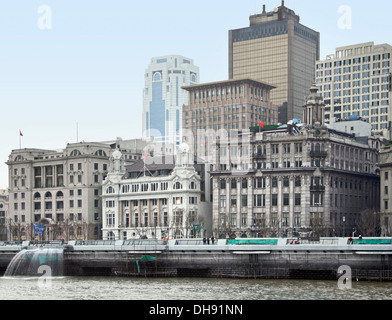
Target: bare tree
368 223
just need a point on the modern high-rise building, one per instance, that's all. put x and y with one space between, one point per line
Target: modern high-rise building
163 97
278 50
356 81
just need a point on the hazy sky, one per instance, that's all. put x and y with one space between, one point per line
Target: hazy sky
86 63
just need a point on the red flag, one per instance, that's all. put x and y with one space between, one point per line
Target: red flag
145 155
20 133
262 124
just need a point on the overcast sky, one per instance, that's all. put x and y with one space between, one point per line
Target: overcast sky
64 62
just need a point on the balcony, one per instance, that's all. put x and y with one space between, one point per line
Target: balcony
317 188
318 154
259 156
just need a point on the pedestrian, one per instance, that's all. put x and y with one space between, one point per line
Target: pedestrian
208 240
212 239
204 240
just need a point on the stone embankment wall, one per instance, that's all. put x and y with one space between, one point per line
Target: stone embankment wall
276 265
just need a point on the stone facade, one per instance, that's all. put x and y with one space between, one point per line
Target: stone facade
158 197
4 220
61 189
385 191
306 180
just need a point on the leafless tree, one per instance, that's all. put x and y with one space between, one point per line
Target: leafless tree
368 223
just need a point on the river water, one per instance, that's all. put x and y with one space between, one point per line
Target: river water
170 289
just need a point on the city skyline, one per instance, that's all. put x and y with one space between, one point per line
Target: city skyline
75 71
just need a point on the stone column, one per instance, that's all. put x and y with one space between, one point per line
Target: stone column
292 202
250 202
139 209
130 213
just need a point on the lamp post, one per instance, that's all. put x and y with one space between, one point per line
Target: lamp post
344 222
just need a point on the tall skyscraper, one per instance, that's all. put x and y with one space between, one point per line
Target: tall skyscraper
163 97
355 82
278 50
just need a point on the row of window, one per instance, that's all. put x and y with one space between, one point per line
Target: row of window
259 183
137 221
154 186
347 62
356 76
259 200
153 202
363 67
357 83
59 217
259 220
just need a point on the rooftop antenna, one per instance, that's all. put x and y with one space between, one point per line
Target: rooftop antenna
144 165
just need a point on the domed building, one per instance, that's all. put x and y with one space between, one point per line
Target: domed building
157 197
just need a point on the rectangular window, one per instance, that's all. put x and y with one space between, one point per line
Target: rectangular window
297 199
274 200
244 200
286 199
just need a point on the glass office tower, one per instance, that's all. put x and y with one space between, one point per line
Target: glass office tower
163 97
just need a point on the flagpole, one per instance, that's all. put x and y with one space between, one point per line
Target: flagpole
20 139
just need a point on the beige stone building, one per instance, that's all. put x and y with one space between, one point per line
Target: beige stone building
3 214
157 197
61 189
277 49
225 106
300 180
386 191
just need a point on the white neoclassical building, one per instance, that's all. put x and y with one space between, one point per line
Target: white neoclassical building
157 197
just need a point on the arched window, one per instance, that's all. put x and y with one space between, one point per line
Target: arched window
37 195
75 153
192 185
177 186
111 236
157 76
59 194
48 195
100 153
19 158
110 190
